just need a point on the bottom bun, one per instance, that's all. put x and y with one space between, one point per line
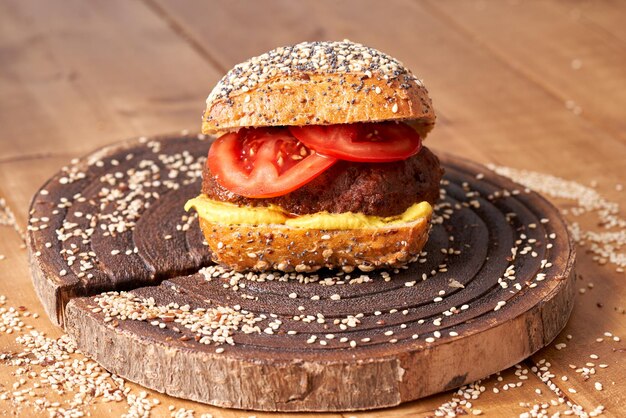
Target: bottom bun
285 248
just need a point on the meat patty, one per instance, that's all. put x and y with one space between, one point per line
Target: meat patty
381 189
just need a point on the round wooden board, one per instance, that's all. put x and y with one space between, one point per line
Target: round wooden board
494 285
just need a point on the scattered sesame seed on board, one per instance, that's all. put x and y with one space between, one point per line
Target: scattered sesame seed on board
236 283
54 377
7 218
607 243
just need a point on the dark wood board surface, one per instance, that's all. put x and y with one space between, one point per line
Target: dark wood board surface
530 85
496 276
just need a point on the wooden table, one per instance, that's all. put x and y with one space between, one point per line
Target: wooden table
533 85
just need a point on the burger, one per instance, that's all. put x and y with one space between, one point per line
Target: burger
318 162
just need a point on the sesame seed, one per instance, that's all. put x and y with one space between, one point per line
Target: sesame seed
309 58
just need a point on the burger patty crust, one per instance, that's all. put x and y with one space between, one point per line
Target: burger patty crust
380 189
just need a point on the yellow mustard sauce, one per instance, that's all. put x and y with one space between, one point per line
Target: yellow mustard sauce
231 214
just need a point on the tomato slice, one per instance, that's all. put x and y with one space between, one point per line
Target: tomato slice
264 162
365 142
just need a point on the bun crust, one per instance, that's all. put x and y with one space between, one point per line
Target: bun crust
280 247
318 83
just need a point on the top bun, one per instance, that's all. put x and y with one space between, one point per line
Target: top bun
317 83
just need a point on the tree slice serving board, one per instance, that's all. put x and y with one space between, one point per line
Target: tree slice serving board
494 285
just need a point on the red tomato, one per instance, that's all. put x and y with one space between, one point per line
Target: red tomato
264 162
366 142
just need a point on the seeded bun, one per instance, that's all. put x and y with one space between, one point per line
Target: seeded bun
318 83
284 248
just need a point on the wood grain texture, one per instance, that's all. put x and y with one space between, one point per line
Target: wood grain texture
489 117
492 103
500 113
75 86
14 284
482 314
560 44
606 15
150 178
20 291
